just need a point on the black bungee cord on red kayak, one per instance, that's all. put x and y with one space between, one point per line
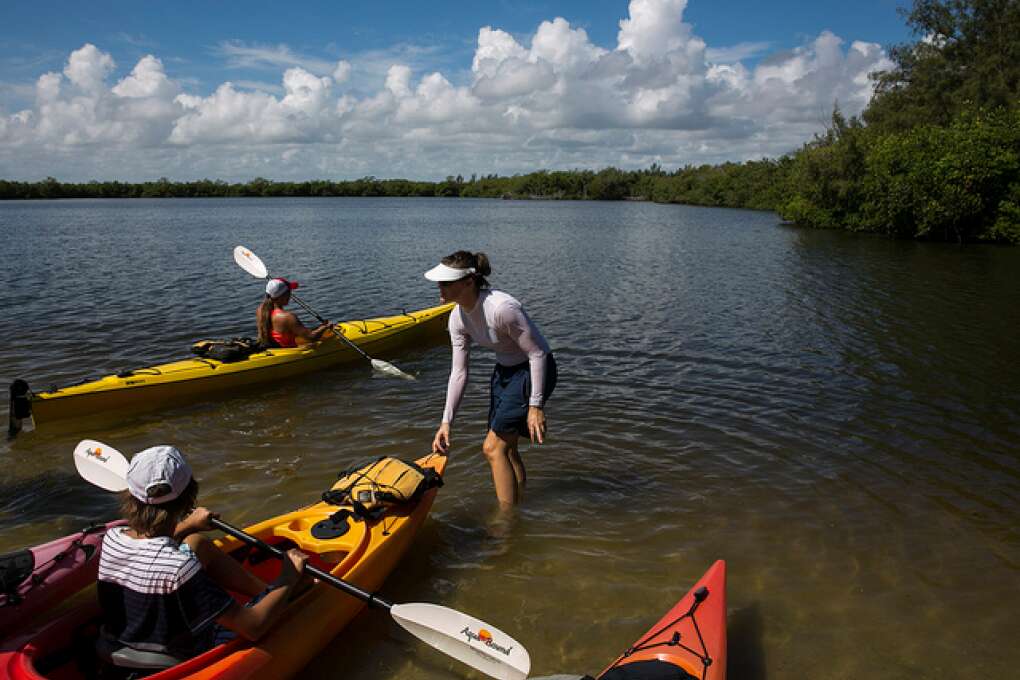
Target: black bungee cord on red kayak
700 595
19 574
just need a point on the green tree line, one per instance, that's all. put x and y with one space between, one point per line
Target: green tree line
935 155
736 185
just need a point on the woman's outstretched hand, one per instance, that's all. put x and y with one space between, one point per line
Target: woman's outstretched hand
441 442
536 424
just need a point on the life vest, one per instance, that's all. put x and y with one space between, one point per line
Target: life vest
370 489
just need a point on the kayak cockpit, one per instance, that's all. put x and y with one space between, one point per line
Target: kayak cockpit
73 646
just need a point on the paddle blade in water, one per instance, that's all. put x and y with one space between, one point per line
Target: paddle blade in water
390 370
101 465
250 262
466 639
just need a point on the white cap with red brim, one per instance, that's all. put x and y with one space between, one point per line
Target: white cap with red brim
277 287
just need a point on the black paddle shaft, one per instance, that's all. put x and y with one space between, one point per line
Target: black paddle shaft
337 583
336 332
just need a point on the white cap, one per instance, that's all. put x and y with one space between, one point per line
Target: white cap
441 272
155 466
277 287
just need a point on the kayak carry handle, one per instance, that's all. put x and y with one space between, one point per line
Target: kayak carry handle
20 407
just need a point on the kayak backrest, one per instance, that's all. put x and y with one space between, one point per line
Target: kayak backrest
122 656
15 568
652 669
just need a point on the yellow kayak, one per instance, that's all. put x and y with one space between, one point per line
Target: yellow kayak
179 381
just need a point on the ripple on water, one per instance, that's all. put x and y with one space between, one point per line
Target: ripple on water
835 415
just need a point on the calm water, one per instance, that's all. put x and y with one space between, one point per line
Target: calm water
837 416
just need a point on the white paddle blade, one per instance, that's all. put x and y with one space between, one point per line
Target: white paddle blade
250 262
466 639
101 465
389 369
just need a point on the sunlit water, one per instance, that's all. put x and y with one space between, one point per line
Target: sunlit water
837 416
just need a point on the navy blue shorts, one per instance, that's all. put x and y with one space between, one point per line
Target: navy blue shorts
510 390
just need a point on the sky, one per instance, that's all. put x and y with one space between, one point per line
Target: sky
134 91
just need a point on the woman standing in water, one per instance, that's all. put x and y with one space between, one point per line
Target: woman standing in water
522 380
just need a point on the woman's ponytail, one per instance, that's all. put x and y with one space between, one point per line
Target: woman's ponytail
482 266
463 259
265 319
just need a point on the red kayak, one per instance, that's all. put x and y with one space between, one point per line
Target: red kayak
34 579
688 642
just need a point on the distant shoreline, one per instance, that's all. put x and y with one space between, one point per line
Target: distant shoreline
752 185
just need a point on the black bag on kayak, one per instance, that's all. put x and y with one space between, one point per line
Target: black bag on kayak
227 351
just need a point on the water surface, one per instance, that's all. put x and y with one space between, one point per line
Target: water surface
837 416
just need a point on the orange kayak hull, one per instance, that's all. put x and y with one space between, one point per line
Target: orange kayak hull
697 643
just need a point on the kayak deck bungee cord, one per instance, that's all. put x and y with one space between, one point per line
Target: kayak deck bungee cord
155 386
35 579
688 643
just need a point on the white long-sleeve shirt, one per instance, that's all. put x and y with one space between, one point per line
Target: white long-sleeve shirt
498 322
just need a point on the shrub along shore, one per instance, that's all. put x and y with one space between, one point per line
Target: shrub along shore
934 156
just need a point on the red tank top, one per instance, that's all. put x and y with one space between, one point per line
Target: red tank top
282 339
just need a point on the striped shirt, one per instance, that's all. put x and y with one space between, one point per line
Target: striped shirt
155 595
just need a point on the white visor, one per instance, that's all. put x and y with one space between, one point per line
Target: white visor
443 273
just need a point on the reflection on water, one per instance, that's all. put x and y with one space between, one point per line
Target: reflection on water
835 415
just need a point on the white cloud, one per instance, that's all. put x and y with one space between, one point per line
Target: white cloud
271 57
655 28
554 99
88 67
147 80
735 53
342 72
229 116
566 48
515 77
305 92
259 86
398 80
495 47
47 88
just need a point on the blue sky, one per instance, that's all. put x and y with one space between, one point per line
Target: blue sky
342 89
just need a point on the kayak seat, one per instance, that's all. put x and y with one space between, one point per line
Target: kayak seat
15 568
122 656
652 669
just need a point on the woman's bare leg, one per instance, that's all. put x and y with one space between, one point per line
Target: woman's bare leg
518 465
496 447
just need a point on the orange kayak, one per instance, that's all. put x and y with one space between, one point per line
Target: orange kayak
691 637
363 556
